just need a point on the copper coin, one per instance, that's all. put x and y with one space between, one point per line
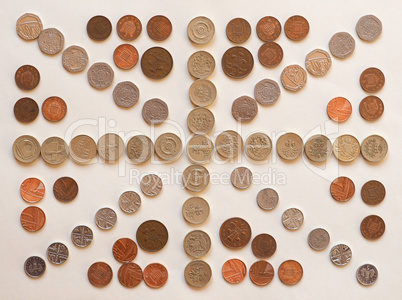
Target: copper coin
263 245
373 192
238 30
152 236
32 190
124 250
235 233
234 270
372 227
32 218
100 274
339 109
130 275
237 62
261 272
296 28
125 56
372 80
290 272
268 29
99 28
270 54
65 189
159 28
155 275
27 77
342 189
34 266
26 110
156 63
54 109
371 108
129 27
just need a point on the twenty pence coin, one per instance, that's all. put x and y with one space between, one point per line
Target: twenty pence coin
369 28
74 59
244 109
342 45
318 62
293 78
29 26
100 75
51 41
267 92
126 94
155 111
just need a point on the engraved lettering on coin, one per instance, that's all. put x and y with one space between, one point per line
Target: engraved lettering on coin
339 109
129 27
290 272
346 148
195 178
241 178
289 146
202 92
195 210
32 190
168 147
197 243
237 62
342 189
238 30
99 28
372 80
372 227
267 199
229 144
125 56
126 94
235 233
199 149
51 41
200 30
293 78
100 75
110 147
197 273
54 109
292 218
124 250
82 149
340 254
371 108
32 218
74 59
318 148
296 28
374 148
29 26
373 192
130 275
234 271
105 218
268 29
27 77
201 64
155 111
82 236
35 266
367 274
155 275
342 45
26 110
57 253
140 148
100 274
270 54
159 28
244 109
152 236
258 146
156 63
318 239
318 62
130 202
200 120
263 245
261 272
54 150
267 92
369 28
151 185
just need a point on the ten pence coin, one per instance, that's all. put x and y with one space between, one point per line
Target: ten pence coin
369 28
27 77
290 272
195 210
29 26
140 149
57 253
292 218
294 78
289 146
26 110
32 218
267 92
200 30
32 190
195 178
110 147
258 146
155 111
318 148
373 192
234 270
152 236
151 185
202 92
197 243
318 62
168 147
197 273
261 272
130 275
65 189
346 148
201 64
155 275
200 120
100 274
126 94
99 28
100 75
105 218
238 30
342 45
342 189
235 233
82 236
263 245
296 28
74 59
34 267
270 54
156 63
237 62
340 255
229 144
82 149
124 250
125 56
244 109
54 150
374 148
367 274
199 149
130 202
54 109
159 28
372 227
129 27
51 41
318 239
268 29
267 199
372 80
371 108
339 109
241 178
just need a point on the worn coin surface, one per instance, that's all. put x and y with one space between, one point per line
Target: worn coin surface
27 77
155 275
202 92
238 30
74 59
270 54
156 63
258 146
26 110
261 272
241 178
372 227
200 120
293 78
318 239
100 274
110 147
318 148
82 149
296 28
105 218
32 190
152 236
151 185
140 148
267 92
367 274
263 245
51 41
237 62
197 273
155 111
100 75
125 56
159 28
229 144
129 27
292 218
195 178
32 218
57 253
235 233
290 272
130 202
289 146
54 109
35 266
99 28
342 189
168 147
318 62
346 148
371 108
197 243
342 45
195 210
200 30
54 150
372 80
268 29
267 199
126 94
199 149
373 192
234 270
124 250
201 64
339 109
374 148
244 109
369 28
82 236
130 275
340 254
65 189
29 26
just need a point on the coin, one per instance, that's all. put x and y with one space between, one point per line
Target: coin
267 92
342 189
129 27
156 63
318 239
293 78
289 146
339 109
258 146
197 273
292 218
235 233
372 80
241 178
99 28
54 109
159 28
369 28
168 147
342 45
267 199
195 178
82 236
318 62
202 92
234 270
261 272
100 75
373 192
199 149
200 120
125 56
57 253
152 236
263 245
65 189
371 108
197 243
32 218
130 202
100 274
367 274
126 94
229 144
82 149
270 54
155 111
35 266
346 148
201 64
140 148
238 30
51 41
372 227
340 254
26 110
130 275
110 147
74 59
54 150
296 28
195 210
27 77
200 30
155 275
318 148
32 190
29 26
374 148
105 218
237 62
151 185
244 109
290 272
124 250
268 29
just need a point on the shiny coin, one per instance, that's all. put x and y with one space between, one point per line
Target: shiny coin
29 26
292 218
57 253
238 30
54 109
82 236
26 110
151 185
318 239
200 120
318 148
263 245
340 254
339 109
197 243
156 63
82 149
126 94
235 233
168 147
258 146
346 148
296 28
293 78
65 189
270 54
261 272
369 28
140 148
100 274
202 92
51 41
342 189
152 236
372 80
35 266
199 149
197 273
367 274
374 148
229 144
318 62
195 210
125 56
342 45
267 199
241 178
110 147
155 275
32 218
200 30
289 146
195 178
290 272
237 62
372 227
371 108
99 28
129 27
124 250
74 59
234 270
159 28
130 275
201 64
27 77
267 92
32 190
155 111
244 109
373 192
130 202
54 150
268 29
100 75
105 218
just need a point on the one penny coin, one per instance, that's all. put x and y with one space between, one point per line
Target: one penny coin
369 28
152 236
126 94
229 144
202 92
27 77
82 149
234 270
237 62
201 64
130 275
57 253
74 59
125 56
342 45
34 266
318 239
65 189
374 148
195 210
54 109
267 92
289 146
318 62
155 275
155 111
367 274
140 149
110 147
270 54
26 149
99 28
263 245
235 233
195 178
372 227
244 109
100 75
32 190
82 236
129 27
296 28
51 41
100 274
168 147
200 149
238 30
268 29
156 63
340 255
293 78
258 146
371 108
267 199
346 148
26 110
373 192
54 150
241 178
290 272
197 243
339 109
372 80
318 148
342 189
130 202
29 26
105 218
159 28
151 185
124 250
292 218
200 30
261 272
197 273
32 218
200 120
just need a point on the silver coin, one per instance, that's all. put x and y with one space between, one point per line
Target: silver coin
197 273
318 148
241 178
74 59
168 147
195 178
105 218
318 62
155 111
367 274
82 149
34 266
200 30
100 75
151 185
267 199
195 210
200 120
126 94
292 218
140 148
130 202
197 243
369 28
244 109
57 253
374 148
318 239
199 149
201 64
29 26
258 146
202 92
340 255
267 92
26 149
54 150
342 45
110 147
82 236
51 41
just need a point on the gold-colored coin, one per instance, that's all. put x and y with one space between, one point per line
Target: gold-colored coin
168 146
199 149
229 144
346 148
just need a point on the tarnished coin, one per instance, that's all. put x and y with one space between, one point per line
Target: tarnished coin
125 56
267 92
200 120
258 146
270 54
372 227
105 218
124 250
371 108
318 239
54 109
32 190
126 94
74 59
267 199
159 28
197 243
238 30
292 218
130 202
129 27
261 272
151 185
368 28
234 270
82 236
229 144
110 147
156 63
32 218
318 148
296 28
35 266
201 64
152 236
373 192
294 78
155 111
235 233
318 62
237 62
202 92
374 148
51 41
65 189
57 253
342 189
268 29
372 80
290 272
289 146
244 109
367 274
197 273
342 45
99 28
100 75
241 178
82 149
26 110
27 77
155 275
346 148
339 109
29 26
140 148
200 30
199 149
100 274
195 210
54 150
263 245
340 255
168 147
195 178
130 275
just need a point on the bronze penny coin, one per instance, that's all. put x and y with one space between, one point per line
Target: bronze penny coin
159 28
342 189
100 274
32 190
35 266
270 54
99 28
261 272
27 77
263 245
290 272
156 63
54 109
152 236
129 27
372 227
65 189
339 109
125 56
234 270
296 28
235 233
238 30
373 192
130 275
268 29
237 62
124 250
372 80
32 218
155 275
26 110
371 108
